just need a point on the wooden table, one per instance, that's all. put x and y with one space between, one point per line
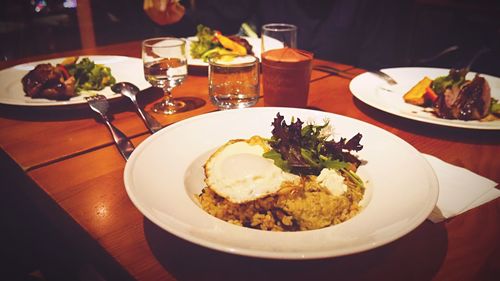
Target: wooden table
69 167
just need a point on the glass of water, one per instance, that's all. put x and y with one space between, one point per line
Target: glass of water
233 81
278 35
165 66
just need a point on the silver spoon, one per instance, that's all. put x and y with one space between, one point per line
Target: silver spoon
130 91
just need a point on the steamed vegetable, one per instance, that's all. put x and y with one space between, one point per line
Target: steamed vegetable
495 107
416 95
248 30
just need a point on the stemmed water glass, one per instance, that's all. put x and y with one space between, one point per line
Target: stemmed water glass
165 66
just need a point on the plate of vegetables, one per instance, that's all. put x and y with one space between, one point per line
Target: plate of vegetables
67 81
209 42
447 97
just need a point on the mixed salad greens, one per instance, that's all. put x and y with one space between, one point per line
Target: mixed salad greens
206 42
495 107
307 150
88 75
455 78
212 43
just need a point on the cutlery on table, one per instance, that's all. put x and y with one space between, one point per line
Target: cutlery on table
333 70
99 104
345 74
130 91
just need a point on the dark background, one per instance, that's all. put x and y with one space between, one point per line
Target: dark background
364 33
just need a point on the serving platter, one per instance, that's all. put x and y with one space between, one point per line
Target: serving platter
122 68
164 175
378 94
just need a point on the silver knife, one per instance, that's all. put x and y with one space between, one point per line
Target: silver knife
384 76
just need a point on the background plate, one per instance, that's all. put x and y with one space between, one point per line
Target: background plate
376 93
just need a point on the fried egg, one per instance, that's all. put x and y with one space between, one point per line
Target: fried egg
238 172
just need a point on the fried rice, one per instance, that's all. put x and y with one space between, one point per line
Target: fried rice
295 207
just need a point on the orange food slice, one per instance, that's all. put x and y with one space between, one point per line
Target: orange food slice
416 94
230 44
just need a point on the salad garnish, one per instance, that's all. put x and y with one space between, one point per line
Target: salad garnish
213 43
88 75
307 150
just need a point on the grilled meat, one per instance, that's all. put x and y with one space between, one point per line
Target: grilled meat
48 81
469 101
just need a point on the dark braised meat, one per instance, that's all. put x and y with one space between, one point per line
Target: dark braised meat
49 82
243 42
469 101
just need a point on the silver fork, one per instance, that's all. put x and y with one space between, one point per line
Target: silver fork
99 104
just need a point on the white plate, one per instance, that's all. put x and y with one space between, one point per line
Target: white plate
123 69
376 93
254 42
164 174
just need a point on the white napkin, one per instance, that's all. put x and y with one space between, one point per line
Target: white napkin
459 190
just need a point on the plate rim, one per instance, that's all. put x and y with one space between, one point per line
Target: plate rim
416 220
454 123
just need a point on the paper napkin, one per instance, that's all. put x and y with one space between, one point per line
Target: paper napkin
459 190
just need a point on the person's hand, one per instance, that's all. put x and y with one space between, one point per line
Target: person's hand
164 12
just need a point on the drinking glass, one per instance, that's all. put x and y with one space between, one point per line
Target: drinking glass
233 81
165 66
286 70
278 35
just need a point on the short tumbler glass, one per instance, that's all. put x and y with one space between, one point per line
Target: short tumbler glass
233 81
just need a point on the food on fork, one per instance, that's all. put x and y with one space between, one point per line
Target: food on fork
300 179
67 79
455 97
212 42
